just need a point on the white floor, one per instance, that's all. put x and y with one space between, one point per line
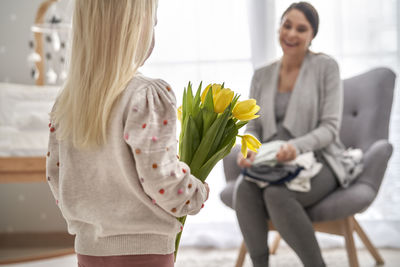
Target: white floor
194 257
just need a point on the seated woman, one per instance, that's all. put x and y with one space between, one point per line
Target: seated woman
301 103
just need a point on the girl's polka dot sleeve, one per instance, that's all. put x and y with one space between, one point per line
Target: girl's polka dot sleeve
150 131
53 162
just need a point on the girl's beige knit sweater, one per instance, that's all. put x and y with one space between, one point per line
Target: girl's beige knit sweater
123 198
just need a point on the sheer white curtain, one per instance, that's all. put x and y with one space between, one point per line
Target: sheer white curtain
223 41
263 31
204 41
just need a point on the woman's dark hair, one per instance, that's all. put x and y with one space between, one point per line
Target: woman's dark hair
309 12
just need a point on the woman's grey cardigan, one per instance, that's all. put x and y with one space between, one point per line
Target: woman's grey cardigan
314 112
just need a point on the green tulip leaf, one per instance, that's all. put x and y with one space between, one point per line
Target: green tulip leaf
197 101
189 99
191 140
205 170
240 124
200 156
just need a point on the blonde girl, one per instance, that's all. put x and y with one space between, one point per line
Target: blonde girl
112 164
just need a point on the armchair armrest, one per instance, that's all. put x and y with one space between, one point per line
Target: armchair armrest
359 195
227 193
231 169
342 202
375 162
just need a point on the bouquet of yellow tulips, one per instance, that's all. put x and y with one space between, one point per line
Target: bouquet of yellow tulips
210 123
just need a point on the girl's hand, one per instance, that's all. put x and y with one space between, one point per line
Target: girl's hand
287 152
208 190
246 162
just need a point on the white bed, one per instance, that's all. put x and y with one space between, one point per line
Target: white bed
24 118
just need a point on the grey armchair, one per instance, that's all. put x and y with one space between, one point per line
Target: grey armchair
366 115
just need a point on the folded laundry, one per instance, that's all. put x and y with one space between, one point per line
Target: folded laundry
296 174
266 170
267 153
351 160
278 174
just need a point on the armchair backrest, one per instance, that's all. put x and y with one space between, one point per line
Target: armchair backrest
366 108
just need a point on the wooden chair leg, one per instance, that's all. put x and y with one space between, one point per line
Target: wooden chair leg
364 238
275 244
241 256
350 247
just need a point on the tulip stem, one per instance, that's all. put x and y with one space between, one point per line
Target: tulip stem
179 235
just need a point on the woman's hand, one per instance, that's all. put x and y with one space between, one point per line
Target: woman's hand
287 152
246 162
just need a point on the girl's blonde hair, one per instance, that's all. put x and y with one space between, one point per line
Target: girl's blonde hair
110 41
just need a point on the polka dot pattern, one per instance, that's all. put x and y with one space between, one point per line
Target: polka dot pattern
149 152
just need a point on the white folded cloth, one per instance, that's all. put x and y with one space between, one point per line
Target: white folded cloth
267 156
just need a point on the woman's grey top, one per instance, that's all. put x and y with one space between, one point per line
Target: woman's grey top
281 103
314 110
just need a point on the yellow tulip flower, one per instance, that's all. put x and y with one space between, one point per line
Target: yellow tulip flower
244 148
215 89
222 99
249 142
179 113
246 110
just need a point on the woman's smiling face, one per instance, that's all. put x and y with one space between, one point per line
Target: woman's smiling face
295 33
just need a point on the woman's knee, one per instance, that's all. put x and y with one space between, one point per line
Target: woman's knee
242 188
276 193
245 192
